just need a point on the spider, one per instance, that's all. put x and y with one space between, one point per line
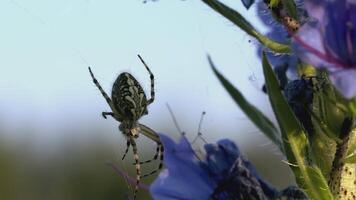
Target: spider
128 104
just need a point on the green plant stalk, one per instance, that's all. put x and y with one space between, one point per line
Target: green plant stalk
343 175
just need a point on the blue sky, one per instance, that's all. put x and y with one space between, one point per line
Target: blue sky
46 47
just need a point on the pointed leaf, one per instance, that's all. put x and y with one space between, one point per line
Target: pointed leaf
295 141
242 23
256 116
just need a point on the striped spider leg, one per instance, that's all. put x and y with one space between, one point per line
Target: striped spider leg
128 104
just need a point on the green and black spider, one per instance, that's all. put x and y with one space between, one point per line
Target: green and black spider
128 104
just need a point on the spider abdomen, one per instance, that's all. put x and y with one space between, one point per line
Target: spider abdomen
128 97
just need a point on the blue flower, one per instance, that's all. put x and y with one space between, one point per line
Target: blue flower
328 40
184 177
223 173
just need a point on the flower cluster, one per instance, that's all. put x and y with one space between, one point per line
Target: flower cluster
223 173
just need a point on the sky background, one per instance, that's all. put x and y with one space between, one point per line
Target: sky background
46 47
48 100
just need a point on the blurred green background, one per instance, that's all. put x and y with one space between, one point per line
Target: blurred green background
53 141
77 168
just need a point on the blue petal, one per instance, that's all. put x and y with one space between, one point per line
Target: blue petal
309 34
220 157
264 13
230 150
224 173
316 9
352 32
183 171
336 29
344 81
329 41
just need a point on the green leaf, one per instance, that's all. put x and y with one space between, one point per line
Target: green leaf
323 149
242 23
296 146
256 116
325 106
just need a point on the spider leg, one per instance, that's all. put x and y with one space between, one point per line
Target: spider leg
104 114
107 98
154 157
149 101
137 163
127 149
148 132
161 151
